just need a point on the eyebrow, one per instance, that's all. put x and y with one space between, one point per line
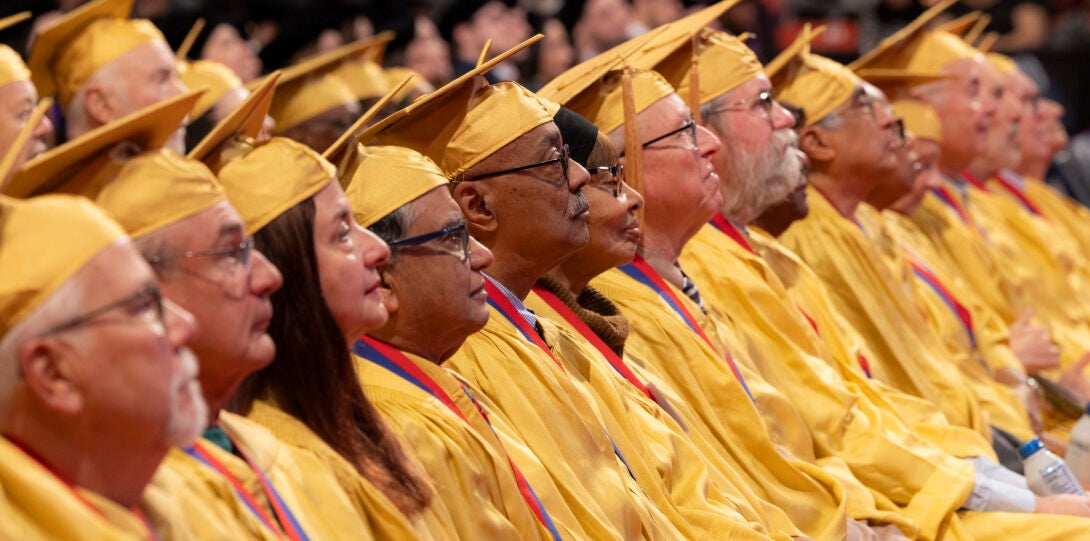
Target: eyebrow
230 229
453 221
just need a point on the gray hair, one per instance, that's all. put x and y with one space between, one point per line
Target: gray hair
65 302
394 225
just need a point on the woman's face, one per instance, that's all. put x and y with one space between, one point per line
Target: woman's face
613 226
348 257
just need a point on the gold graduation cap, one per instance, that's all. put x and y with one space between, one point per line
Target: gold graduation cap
816 84
312 86
883 78
961 25
699 62
266 179
916 48
416 84
348 161
12 67
987 42
68 52
124 169
363 72
245 121
1002 63
387 178
68 168
919 118
212 77
43 243
466 120
974 33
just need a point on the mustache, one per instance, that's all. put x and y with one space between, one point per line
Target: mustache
580 203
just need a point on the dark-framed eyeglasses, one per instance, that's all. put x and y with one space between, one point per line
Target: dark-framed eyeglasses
562 160
689 127
897 128
763 100
453 240
614 183
147 304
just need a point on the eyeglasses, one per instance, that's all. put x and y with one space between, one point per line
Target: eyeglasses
231 257
863 105
897 128
146 304
453 240
233 263
763 100
615 184
689 127
562 159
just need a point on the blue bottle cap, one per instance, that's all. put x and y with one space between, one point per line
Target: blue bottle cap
1030 447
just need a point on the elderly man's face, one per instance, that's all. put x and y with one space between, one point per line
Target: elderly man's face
538 206
1033 130
129 362
149 75
925 174
759 164
17 101
1001 144
1050 114
965 109
228 296
435 288
679 182
899 182
867 139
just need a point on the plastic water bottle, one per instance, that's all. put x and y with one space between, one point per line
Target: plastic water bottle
1078 449
1046 473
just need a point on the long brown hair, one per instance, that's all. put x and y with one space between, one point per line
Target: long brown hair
313 377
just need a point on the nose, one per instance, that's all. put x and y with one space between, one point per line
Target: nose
707 143
44 128
781 117
265 278
375 250
635 199
181 326
577 176
480 256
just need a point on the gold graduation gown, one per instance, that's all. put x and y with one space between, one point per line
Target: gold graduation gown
850 352
467 462
909 355
37 506
926 484
978 338
554 416
188 500
789 495
703 501
351 507
1062 210
1041 261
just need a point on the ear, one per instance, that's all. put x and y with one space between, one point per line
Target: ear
474 199
389 297
46 373
99 103
814 142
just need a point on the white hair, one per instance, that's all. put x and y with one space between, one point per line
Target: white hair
77 118
65 302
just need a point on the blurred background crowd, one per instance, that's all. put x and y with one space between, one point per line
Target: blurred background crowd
440 39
